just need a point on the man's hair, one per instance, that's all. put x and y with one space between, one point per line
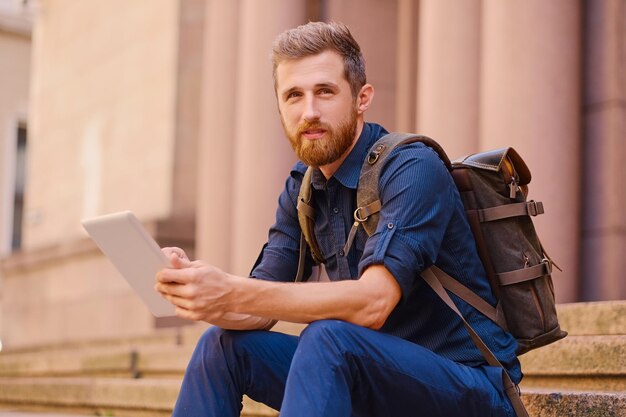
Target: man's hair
317 37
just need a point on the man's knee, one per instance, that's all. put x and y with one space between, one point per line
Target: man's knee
324 329
329 337
218 342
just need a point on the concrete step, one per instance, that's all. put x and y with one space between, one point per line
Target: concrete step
16 413
593 318
102 396
595 363
157 356
551 403
141 398
113 362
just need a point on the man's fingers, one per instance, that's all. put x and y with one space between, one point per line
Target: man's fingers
178 262
179 276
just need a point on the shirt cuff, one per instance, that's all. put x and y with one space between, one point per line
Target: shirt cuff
387 248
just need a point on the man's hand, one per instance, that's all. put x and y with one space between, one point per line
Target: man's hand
201 291
198 290
178 252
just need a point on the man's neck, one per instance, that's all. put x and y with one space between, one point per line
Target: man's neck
329 169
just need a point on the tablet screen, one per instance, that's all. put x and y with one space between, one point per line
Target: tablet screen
133 252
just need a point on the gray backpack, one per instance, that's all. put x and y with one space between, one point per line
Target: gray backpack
493 187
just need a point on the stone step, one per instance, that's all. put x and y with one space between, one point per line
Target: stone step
112 362
551 403
159 355
156 398
595 363
593 318
16 413
102 396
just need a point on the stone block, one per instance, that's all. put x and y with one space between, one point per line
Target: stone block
593 318
574 404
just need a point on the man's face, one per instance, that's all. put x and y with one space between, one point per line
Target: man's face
317 110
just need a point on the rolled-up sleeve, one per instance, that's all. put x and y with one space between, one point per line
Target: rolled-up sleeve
279 258
417 196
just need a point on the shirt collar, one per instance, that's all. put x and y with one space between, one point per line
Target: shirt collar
349 172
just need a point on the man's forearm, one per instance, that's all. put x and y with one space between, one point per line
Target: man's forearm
357 301
237 321
201 291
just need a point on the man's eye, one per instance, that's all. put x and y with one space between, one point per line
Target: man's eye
325 91
293 94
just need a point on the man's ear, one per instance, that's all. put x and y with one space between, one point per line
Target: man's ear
364 98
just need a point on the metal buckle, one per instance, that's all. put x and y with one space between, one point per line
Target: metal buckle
535 208
357 216
548 264
375 154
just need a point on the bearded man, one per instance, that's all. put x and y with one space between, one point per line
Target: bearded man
379 342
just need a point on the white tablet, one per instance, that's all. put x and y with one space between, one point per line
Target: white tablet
133 252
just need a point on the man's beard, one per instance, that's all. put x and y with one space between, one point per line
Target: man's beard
320 152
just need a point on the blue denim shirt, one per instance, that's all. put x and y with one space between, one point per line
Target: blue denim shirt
422 222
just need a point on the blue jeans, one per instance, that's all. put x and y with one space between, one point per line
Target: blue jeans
334 369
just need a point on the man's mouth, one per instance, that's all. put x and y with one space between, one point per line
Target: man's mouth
313 134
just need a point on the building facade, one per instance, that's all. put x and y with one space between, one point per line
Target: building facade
166 108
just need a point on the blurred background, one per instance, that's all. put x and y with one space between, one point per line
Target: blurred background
166 108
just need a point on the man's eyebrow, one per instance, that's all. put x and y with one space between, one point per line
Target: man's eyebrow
327 84
289 91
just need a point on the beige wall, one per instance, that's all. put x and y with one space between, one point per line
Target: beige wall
103 121
113 84
69 292
15 69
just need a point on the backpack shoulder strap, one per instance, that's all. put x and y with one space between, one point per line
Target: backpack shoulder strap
306 218
368 204
431 277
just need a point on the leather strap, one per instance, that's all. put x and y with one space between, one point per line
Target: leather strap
306 209
530 208
525 274
510 388
306 218
301 258
467 295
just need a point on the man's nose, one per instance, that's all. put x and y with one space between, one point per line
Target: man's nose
311 110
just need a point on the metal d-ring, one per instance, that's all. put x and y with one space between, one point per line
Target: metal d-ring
357 217
375 154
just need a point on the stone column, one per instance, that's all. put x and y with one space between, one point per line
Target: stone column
530 99
448 76
378 44
217 133
262 154
604 222
406 61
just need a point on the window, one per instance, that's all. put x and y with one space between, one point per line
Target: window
20 183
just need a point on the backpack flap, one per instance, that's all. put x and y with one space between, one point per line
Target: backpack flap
504 160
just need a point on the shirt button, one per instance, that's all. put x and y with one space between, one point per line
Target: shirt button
341 253
389 225
335 210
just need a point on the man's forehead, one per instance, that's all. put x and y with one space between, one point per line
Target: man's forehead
325 67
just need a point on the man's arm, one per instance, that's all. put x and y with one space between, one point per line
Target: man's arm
233 321
203 292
